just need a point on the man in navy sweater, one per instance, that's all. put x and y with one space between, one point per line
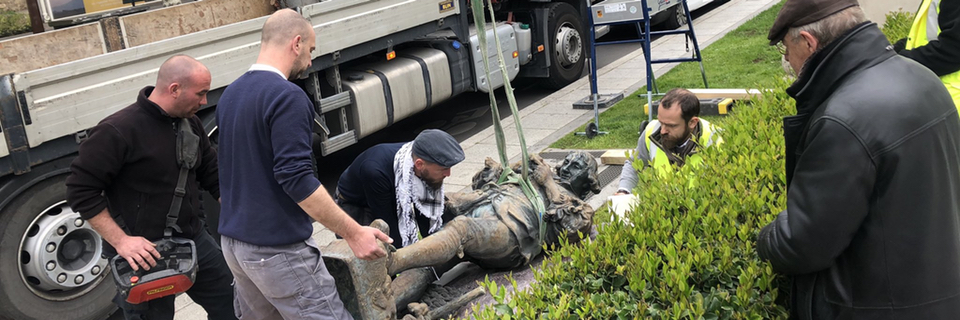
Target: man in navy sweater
269 190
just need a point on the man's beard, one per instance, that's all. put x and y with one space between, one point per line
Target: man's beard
435 185
297 71
669 143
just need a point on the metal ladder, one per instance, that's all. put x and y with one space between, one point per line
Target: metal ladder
645 37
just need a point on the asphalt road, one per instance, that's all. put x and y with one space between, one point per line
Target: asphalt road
469 113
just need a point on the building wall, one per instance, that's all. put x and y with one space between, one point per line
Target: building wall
876 10
13 5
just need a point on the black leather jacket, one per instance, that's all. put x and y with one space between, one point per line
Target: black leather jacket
872 225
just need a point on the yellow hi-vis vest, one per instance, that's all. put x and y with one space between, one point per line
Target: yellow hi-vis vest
926 27
658 158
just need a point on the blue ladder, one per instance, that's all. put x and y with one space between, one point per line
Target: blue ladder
645 37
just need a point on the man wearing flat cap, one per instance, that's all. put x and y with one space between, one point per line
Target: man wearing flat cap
871 228
401 183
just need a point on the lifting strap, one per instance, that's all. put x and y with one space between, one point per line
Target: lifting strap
508 175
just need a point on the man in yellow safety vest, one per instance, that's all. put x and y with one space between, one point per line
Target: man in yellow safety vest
934 42
675 138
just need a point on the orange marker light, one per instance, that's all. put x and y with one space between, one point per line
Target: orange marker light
540 48
391 55
516 54
599 14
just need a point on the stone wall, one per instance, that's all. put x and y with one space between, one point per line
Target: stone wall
14 5
876 10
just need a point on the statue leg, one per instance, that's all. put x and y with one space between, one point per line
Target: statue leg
475 237
409 285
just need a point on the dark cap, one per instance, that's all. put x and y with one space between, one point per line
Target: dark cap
438 147
797 13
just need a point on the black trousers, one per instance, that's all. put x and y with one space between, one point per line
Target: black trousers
212 290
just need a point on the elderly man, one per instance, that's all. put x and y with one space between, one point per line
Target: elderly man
401 184
872 224
675 138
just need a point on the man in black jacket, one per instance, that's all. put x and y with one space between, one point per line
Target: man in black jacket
123 183
401 184
872 224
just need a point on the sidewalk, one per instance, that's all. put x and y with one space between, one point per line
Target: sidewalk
552 117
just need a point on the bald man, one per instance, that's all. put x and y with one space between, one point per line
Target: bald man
123 182
270 192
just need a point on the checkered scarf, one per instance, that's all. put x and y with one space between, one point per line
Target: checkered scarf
414 195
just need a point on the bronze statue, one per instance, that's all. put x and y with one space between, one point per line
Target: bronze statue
497 227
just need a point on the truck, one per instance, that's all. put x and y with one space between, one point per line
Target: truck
376 62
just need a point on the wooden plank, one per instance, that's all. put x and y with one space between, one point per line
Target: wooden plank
615 156
152 26
51 48
736 94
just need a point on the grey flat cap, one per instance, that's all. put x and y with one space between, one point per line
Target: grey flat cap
795 13
438 147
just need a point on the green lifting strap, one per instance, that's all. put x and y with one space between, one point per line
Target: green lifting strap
508 175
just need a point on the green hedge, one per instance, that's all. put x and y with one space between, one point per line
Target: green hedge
12 23
690 253
897 25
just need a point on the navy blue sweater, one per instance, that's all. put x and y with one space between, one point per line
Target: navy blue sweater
265 164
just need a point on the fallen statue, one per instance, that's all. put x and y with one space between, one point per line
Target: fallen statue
496 227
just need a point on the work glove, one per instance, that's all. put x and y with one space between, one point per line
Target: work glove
900 45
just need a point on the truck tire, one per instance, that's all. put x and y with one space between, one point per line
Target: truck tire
568 48
51 266
676 18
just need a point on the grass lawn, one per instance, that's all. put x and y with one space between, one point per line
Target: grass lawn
12 23
741 59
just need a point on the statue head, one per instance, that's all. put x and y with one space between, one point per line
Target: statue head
578 173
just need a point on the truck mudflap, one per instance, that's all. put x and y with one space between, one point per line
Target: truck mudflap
12 121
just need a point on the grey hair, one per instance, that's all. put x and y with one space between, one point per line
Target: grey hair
828 29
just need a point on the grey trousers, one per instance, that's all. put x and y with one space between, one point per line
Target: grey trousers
281 282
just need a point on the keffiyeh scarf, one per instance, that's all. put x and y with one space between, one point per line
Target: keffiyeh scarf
414 195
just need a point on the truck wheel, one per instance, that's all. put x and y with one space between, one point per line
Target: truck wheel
51 265
568 46
676 18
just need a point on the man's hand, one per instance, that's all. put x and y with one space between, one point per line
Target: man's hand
900 45
364 243
138 251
